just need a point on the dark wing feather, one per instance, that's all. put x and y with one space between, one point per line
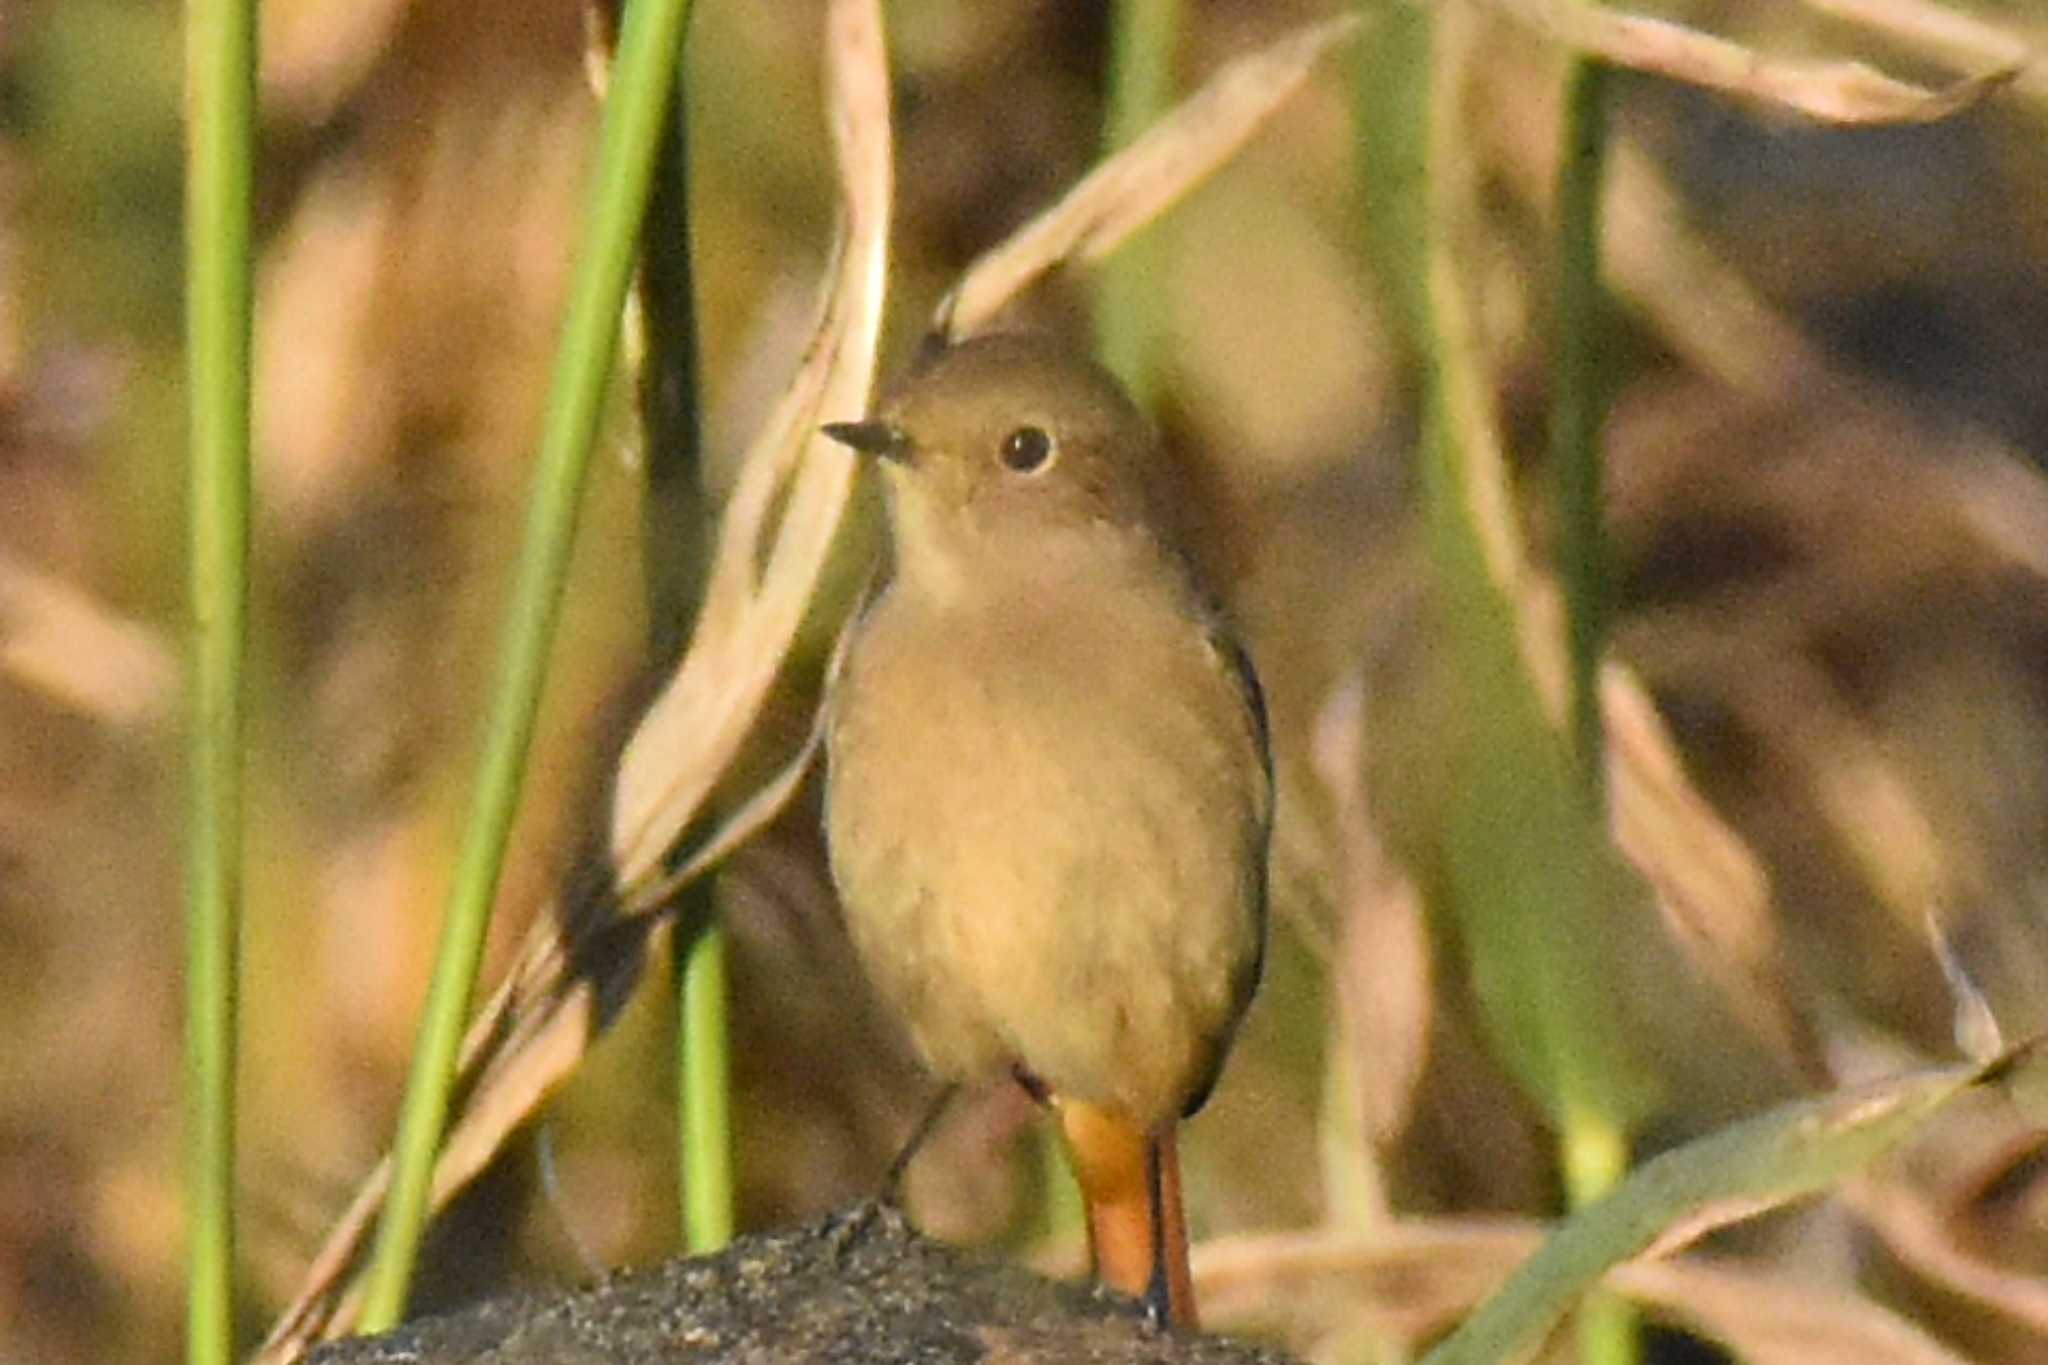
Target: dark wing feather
1237 665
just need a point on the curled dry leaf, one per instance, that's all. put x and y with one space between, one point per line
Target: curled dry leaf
1833 92
1947 35
1137 184
749 619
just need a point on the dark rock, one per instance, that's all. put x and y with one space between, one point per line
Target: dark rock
860 1286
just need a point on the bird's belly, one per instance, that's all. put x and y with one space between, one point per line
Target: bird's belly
1052 892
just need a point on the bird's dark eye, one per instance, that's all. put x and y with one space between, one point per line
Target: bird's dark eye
1027 449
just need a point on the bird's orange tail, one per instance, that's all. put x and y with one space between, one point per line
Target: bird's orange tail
1130 1182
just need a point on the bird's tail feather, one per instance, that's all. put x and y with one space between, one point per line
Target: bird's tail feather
1137 1228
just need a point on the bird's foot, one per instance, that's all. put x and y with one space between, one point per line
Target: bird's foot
1158 1299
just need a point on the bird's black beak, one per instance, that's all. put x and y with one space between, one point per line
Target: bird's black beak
871 437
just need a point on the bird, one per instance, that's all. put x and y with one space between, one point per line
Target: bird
1049 790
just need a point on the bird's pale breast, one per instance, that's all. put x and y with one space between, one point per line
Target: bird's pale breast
1048 819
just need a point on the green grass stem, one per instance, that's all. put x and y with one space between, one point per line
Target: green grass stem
675 525
675 513
1131 289
1392 102
220 60
643 81
1595 1152
706 1092
1595 1156
1579 407
1530 873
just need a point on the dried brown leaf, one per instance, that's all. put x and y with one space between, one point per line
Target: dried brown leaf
1136 185
1710 888
1947 35
60 642
695 727
1769 1318
1382 964
1705 309
1832 92
1919 1236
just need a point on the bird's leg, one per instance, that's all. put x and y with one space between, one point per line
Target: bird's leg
1130 1182
892 1183
1170 1294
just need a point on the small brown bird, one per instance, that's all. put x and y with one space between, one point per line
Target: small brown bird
1049 791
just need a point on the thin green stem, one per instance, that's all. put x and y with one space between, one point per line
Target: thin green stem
1595 1151
706 1093
1392 103
675 526
1527 868
220 59
643 80
675 519
1130 300
1578 407
1595 1154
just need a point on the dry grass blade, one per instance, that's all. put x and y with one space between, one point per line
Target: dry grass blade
1833 92
750 617
59 642
1767 1318
526 1040
538 1025
1712 891
555 1009
1406 1282
651 897
1975 1027
1783 1155
1947 35
1921 1238
1136 185
1700 304
1382 966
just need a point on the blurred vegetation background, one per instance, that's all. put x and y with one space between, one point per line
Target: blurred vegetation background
1828 357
